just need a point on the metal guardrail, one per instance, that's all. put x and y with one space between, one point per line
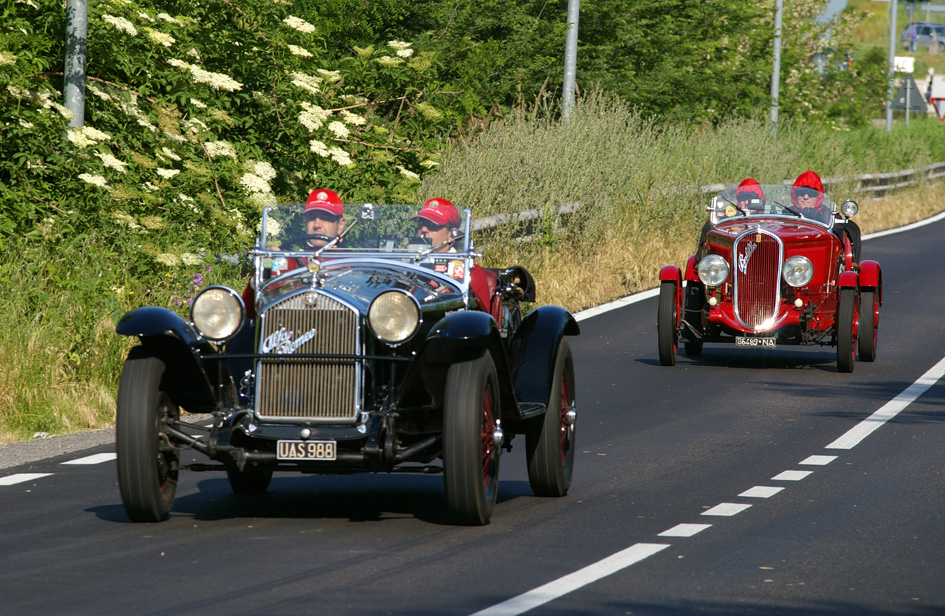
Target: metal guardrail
874 185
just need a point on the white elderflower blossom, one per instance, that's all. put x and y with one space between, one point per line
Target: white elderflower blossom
404 53
145 16
407 173
220 148
126 219
215 80
255 184
97 180
86 136
7 58
166 258
149 187
340 156
110 161
429 112
26 124
264 170
398 45
312 116
299 24
339 129
306 82
352 118
389 61
167 173
300 51
193 53
319 148
170 153
329 76
198 104
97 91
152 222
262 200
160 38
120 23
190 259
429 164
169 19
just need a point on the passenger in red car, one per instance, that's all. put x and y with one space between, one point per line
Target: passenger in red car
436 222
808 195
748 197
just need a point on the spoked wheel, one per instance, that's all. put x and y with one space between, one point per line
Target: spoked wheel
471 440
869 325
148 464
248 481
666 329
549 439
846 330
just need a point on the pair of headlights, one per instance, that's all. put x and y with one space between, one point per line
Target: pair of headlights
217 313
714 270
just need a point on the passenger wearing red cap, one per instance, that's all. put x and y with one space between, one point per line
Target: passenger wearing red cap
324 216
436 221
749 196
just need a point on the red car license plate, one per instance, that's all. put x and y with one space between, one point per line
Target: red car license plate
305 450
762 342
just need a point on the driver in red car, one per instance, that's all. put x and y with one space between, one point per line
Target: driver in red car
808 195
749 198
324 216
435 222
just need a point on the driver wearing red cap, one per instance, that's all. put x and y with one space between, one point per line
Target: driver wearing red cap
324 216
436 221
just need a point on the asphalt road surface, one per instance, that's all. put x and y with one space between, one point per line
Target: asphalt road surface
741 482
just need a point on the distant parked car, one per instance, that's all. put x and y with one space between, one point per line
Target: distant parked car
924 30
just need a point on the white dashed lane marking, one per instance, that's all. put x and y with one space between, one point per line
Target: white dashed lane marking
684 530
791 475
818 460
96 459
21 478
760 492
726 509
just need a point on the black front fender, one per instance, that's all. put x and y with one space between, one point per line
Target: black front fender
534 350
190 379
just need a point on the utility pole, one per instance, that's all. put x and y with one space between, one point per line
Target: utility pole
77 19
776 73
893 9
570 59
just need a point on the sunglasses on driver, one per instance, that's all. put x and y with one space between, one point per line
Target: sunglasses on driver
807 192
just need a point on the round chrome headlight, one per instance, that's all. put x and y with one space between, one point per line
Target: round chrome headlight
713 270
394 317
217 313
797 271
849 207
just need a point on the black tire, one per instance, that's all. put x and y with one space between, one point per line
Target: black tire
549 439
470 454
148 465
695 298
846 321
869 325
249 481
667 332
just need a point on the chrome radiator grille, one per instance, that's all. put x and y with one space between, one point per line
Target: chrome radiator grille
757 261
309 389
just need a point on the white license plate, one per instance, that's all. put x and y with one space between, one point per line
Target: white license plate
762 342
306 450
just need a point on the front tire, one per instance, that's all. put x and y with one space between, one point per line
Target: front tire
869 325
846 330
470 451
148 464
695 299
666 324
549 439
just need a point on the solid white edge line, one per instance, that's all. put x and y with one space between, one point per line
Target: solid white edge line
571 582
10 480
93 459
860 431
909 227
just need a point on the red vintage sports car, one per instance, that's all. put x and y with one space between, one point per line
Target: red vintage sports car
769 273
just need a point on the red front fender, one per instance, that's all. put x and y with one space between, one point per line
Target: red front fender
847 280
872 276
671 273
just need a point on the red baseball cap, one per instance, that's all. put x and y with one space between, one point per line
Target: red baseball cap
324 200
439 212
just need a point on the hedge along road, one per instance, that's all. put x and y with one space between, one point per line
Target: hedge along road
752 468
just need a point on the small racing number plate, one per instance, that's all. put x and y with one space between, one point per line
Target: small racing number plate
306 450
762 342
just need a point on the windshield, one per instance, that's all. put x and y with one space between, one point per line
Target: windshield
381 230
773 200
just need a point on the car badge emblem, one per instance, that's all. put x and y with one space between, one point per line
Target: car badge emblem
281 342
745 256
314 266
311 298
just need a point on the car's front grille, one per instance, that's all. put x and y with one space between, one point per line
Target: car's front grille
308 389
757 263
